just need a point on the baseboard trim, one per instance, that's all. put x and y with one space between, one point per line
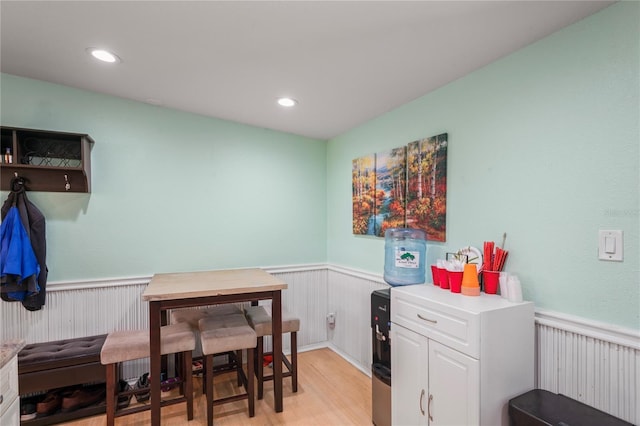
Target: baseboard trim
349 359
315 346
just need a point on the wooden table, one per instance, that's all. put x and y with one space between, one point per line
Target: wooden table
181 290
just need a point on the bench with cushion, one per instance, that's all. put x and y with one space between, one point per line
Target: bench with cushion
52 365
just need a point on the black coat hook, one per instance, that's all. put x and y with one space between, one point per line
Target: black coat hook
18 183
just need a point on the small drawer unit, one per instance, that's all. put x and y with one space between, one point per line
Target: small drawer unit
454 327
458 359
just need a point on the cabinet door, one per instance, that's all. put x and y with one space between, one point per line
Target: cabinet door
454 387
409 352
11 416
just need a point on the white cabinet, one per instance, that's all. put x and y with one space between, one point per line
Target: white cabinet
9 401
457 360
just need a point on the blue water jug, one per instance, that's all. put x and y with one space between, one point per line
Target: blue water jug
405 253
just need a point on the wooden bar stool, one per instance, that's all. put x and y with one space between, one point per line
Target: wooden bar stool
121 346
259 318
223 334
192 316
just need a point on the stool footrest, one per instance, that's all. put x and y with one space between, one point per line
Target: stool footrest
232 398
286 363
137 409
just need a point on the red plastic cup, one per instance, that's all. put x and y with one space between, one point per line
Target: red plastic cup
434 274
455 281
444 278
490 281
438 281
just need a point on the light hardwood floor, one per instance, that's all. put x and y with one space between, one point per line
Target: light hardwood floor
330 392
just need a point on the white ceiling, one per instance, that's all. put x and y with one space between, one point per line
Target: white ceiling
346 62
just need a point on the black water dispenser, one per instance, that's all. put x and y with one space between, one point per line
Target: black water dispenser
381 366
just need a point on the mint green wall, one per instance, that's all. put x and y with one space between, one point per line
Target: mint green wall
172 191
543 145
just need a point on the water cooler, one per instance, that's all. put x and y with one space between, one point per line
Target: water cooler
381 366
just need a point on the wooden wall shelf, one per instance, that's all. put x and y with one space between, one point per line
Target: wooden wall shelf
49 161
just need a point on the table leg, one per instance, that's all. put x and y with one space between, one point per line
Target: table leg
164 367
276 325
154 352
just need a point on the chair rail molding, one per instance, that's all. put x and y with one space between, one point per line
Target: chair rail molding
590 328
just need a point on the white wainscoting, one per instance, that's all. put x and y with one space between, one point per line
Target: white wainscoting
349 297
595 363
78 309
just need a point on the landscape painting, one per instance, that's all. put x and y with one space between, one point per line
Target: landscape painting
402 187
363 185
427 186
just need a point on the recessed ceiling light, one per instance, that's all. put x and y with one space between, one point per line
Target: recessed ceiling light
103 55
287 102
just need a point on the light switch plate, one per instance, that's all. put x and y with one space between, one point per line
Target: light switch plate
610 245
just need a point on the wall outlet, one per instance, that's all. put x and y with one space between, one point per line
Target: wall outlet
331 319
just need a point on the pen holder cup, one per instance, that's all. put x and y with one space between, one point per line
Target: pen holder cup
490 281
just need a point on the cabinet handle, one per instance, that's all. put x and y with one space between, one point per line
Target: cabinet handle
1 398
421 398
429 407
427 319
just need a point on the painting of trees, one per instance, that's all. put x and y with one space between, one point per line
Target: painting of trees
402 187
427 186
363 186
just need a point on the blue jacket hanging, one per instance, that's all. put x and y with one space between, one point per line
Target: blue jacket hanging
19 268
34 223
